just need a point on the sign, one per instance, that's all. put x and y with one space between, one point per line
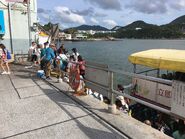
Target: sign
178 98
2 24
153 91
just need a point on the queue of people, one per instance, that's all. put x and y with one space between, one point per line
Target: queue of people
63 62
50 58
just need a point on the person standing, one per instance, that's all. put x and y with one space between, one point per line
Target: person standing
48 59
31 49
5 59
75 54
81 63
42 55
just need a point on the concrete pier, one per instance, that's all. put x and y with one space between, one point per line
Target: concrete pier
34 108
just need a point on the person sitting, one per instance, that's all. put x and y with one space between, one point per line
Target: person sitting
120 88
122 104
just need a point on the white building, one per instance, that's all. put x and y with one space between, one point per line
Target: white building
16 35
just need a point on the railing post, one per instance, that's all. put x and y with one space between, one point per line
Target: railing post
111 87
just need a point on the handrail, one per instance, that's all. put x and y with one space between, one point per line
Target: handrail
150 78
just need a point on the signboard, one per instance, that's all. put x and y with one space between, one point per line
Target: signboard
178 98
2 24
153 91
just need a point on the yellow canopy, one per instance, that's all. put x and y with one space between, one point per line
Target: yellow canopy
169 59
42 34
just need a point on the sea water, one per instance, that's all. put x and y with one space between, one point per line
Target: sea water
115 53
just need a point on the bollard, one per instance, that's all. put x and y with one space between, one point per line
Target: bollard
112 109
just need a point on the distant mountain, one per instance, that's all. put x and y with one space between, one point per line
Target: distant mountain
179 20
137 24
93 27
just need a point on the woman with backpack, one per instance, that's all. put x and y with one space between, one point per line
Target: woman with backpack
4 59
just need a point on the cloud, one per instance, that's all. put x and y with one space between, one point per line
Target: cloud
86 12
94 21
178 4
110 23
107 4
148 6
89 12
100 15
68 16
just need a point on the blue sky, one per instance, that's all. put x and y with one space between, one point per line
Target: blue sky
109 13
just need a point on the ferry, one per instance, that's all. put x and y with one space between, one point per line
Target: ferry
167 89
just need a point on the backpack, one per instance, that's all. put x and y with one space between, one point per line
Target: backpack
8 55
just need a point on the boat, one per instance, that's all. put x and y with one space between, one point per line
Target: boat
168 93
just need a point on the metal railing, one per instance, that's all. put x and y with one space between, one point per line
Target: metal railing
109 88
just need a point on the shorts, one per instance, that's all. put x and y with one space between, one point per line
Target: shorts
34 58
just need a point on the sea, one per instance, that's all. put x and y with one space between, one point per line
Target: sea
115 53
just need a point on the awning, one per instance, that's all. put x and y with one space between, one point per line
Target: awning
168 59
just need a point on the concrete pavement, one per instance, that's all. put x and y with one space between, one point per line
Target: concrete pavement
32 108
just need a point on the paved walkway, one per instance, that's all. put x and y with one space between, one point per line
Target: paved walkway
32 108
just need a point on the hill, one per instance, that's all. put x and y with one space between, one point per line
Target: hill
179 20
137 24
93 27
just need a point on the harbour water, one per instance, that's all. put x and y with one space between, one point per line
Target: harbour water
115 53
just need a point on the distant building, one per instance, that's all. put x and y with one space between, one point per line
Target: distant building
138 28
80 36
92 32
15 21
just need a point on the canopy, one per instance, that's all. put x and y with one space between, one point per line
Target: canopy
168 59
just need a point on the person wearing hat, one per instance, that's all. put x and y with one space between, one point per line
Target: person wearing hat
121 104
49 56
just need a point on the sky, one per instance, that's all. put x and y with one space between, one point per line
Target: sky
108 13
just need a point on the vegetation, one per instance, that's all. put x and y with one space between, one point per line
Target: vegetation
137 30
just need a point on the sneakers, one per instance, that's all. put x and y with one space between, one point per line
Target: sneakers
48 78
8 73
4 72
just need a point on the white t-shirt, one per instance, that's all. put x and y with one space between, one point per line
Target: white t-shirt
1 52
62 57
76 56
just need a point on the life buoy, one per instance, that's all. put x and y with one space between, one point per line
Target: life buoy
74 78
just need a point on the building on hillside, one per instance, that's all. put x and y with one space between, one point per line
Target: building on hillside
138 28
92 32
65 36
19 28
80 36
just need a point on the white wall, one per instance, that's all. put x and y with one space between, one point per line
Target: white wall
20 30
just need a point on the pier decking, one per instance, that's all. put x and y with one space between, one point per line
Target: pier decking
33 108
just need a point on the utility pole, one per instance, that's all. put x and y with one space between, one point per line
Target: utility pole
10 26
29 21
